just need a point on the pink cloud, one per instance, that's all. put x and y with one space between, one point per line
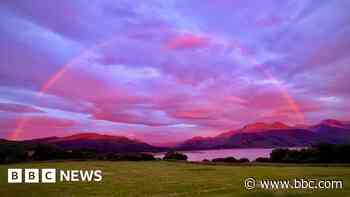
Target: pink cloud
12 107
268 21
83 85
192 114
188 41
48 122
23 127
303 107
235 99
126 114
146 119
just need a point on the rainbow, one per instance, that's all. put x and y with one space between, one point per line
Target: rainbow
22 120
290 101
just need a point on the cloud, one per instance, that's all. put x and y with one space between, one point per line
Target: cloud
268 21
187 41
19 108
198 114
154 69
47 122
151 118
42 101
31 126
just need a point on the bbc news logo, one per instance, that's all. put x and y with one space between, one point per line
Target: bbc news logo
51 175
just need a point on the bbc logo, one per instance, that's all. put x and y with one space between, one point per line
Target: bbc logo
30 175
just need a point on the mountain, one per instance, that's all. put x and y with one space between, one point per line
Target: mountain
330 123
98 142
264 135
79 146
256 127
258 135
261 126
333 130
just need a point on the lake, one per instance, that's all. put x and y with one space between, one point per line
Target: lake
200 155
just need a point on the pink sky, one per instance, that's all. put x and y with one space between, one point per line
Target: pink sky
164 71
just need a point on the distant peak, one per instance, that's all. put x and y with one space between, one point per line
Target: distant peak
195 138
279 125
332 123
261 126
91 136
255 125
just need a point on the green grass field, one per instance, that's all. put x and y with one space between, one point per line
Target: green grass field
160 178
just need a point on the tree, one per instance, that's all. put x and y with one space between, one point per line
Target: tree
262 159
172 155
278 155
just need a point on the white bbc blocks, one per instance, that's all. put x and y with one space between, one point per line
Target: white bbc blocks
48 175
31 175
14 175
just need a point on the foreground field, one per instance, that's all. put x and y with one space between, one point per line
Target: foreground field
173 179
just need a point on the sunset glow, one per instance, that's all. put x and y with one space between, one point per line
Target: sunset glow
166 71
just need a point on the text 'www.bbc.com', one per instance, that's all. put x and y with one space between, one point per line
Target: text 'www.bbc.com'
311 184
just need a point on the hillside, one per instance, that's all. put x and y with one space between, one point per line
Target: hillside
277 134
99 143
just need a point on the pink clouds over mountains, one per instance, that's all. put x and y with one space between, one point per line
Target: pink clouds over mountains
162 70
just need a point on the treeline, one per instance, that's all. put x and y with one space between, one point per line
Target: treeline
322 153
13 152
230 160
17 152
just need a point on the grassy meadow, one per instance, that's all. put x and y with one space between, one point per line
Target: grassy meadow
160 178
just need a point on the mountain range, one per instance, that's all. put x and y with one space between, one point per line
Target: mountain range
277 134
256 135
97 142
